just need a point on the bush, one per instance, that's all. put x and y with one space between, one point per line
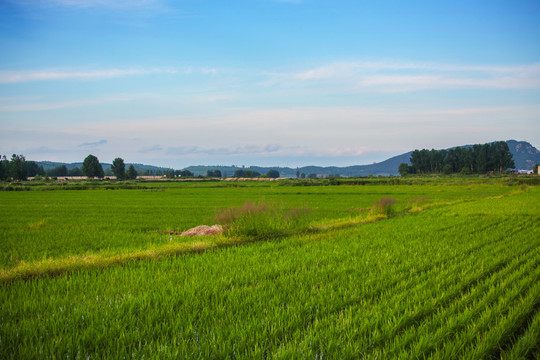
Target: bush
262 220
385 207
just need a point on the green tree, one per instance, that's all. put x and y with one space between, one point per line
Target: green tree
58 171
240 173
184 173
447 169
535 170
131 173
75 172
92 168
502 156
18 167
273 174
4 168
33 169
403 169
170 173
119 168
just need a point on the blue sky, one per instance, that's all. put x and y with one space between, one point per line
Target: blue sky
264 82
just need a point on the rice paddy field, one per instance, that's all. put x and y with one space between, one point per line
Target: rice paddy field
448 270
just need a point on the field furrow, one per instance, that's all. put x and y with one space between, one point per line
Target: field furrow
422 339
453 281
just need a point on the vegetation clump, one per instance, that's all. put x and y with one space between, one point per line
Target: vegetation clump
384 207
261 220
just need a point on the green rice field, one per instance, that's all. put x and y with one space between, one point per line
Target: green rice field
450 271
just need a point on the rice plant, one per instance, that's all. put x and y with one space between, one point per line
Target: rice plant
262 220
459 279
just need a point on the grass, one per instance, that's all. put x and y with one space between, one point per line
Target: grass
458 279
262 220
384 207
38 225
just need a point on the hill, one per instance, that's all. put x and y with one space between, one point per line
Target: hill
525 157
47 165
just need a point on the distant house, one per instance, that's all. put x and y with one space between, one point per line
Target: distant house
521 171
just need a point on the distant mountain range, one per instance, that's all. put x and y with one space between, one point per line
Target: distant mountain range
525 157
47 165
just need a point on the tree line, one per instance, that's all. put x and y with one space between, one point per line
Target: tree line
476 159
19 169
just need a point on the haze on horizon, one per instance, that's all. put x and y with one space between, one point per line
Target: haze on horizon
264 82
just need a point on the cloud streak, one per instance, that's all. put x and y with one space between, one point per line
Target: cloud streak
15 105
93 144
407 76
23 76
225 151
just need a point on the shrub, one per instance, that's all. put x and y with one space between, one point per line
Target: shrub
262 220
385 207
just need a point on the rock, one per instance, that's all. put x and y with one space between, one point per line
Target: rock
203 230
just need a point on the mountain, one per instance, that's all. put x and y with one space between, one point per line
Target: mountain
385 168
48 165
525 157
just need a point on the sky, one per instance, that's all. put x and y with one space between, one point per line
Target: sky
264 82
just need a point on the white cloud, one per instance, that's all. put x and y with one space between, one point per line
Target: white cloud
408 76
15 105
225 151
22 76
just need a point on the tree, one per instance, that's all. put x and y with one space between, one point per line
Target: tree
92 168
273 174
58 171
75 172
503 156
33 169
213 173
239 173
170 173
131 173
535 170
4 168
467 160
403 169
119 168
185 173
18 167
447 169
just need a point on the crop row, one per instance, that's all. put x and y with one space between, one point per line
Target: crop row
454 281
53 224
